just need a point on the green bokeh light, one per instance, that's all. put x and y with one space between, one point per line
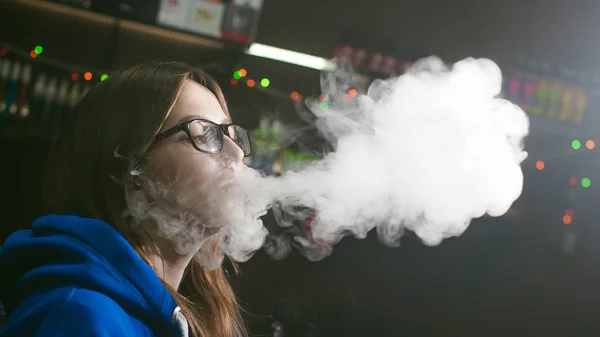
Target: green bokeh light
586 182
237 75
324 105
265 82
103 77
38 49
576 144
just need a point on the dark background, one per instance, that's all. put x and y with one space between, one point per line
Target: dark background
509 276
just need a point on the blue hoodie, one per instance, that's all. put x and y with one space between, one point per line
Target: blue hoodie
71 276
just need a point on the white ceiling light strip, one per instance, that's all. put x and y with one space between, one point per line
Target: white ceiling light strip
289 56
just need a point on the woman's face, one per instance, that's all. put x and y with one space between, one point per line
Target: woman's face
192 177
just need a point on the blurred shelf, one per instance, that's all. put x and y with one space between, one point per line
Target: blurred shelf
147 28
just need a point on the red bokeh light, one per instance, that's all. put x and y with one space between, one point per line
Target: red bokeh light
540 165
573 181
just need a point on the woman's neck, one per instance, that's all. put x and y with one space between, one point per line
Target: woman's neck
167 262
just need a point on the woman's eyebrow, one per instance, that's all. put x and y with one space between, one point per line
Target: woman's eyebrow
192 117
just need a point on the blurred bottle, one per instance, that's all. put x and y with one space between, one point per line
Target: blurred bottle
74 96
11 92
62 101
4 76
375 62
514 90
37 97
49 103
359 59
388 66
21 105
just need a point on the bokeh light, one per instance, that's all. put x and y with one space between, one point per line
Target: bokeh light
570 212
576 144
237 75
540 165
233 81
321 97
33 54
295 95
87 76
590 144
573 181
38 49
265 82
250 83
103 77
567 219
586 182
74 76
353 92
324 105
242 72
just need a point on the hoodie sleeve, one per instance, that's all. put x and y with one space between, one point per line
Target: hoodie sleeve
87 313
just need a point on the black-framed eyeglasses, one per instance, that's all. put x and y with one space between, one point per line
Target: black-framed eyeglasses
207 136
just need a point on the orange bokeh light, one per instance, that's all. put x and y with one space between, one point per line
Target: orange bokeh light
243 72
590 144
353 92
321 97
250 83
33 54
567 219
540 165
295 95
87 76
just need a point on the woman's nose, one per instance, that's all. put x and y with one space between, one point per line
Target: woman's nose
232 150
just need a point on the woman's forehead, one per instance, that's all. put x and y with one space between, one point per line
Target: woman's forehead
196 100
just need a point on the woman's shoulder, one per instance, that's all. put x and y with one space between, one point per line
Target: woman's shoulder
70 311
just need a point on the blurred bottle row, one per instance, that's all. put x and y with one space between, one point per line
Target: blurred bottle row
37 92
274 154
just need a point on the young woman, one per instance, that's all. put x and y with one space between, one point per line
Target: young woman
129 247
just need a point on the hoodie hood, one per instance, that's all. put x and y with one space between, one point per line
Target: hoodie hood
70 251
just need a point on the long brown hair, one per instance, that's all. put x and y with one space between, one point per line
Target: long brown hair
124 113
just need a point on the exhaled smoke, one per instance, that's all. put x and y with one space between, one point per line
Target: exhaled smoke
427 152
